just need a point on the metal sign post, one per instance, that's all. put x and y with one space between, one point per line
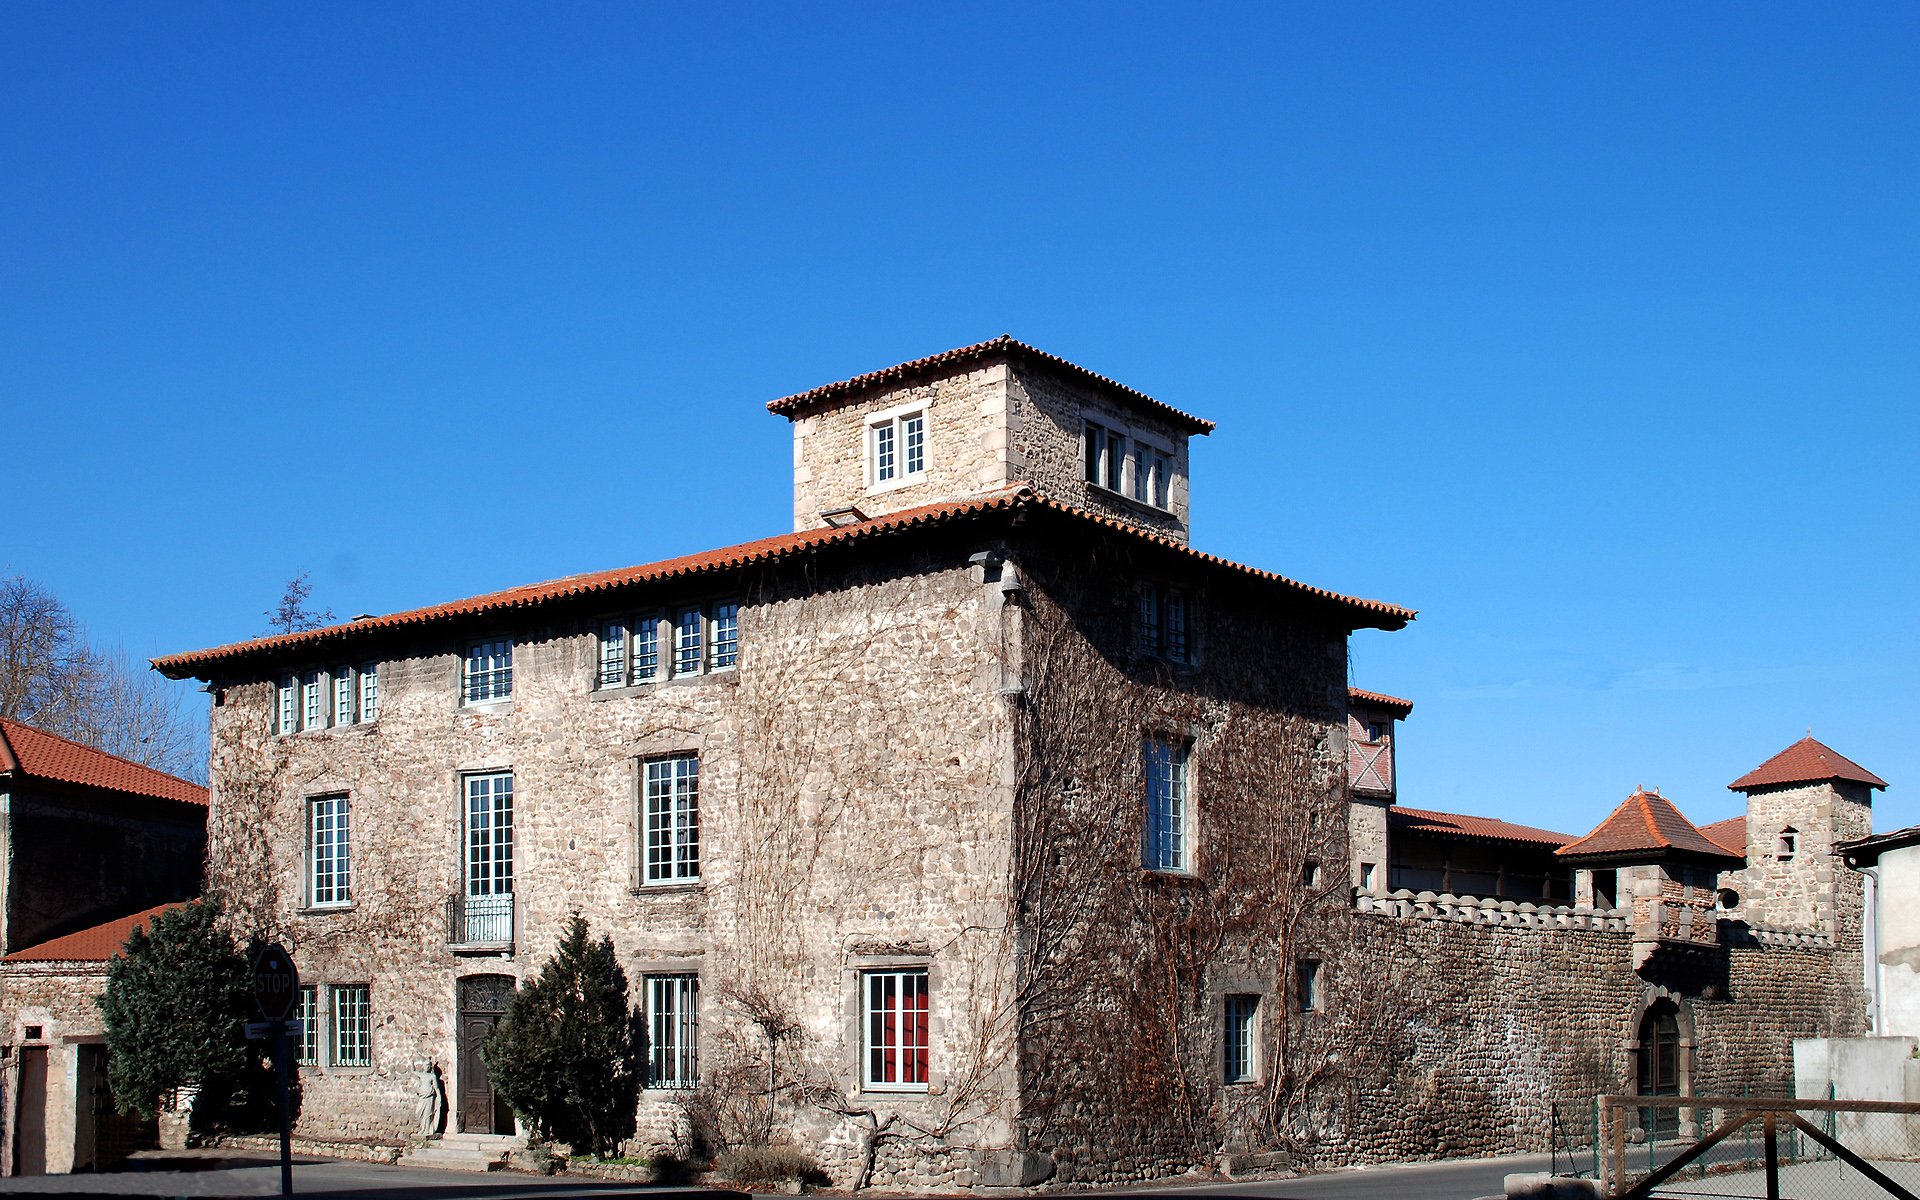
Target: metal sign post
276 986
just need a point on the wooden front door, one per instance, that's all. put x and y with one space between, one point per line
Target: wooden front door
30 1114
1659 1067
483 1000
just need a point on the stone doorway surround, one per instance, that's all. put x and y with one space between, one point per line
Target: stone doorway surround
477 1107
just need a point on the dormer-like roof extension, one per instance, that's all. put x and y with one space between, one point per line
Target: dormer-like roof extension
37 754
1394 705
1647 827
1016 499
1806 761
1005 346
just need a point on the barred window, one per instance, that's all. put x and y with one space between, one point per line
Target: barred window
896 1030
328 841
352 1026
488 674
1241 1018
308 1012
369 691
673 1025
700 638
1166 841
671 819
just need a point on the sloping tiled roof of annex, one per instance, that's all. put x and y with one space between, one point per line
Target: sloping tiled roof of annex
1806 761
1646 823
1419 820
42 755
97 944
1006 344
1392 704
1730 833
1369 614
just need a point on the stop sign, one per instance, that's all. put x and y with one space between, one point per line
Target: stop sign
276 985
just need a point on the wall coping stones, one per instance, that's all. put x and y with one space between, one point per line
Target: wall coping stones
1473 910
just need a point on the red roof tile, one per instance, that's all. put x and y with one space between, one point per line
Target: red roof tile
97 944
1416 820
1377 614
1646 823
1806 761
1731 833
1006 345
42 755
1392 704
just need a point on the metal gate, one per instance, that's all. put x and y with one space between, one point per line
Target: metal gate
1773 1147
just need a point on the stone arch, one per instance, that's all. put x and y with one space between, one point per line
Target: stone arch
1659 1005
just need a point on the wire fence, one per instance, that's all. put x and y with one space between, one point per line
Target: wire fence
1779 1148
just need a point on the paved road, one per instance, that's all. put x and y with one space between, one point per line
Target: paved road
235 1174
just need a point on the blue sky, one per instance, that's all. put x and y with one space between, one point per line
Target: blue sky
1592 332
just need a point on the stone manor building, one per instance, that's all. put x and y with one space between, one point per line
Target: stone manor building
981 831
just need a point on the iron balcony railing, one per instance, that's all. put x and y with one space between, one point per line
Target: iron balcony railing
485 921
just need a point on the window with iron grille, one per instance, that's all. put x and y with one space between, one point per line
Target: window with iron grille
688 626
1160 625
897 448
673 1030
1166 841
613 655
352 1026
490 834
726 635
330 882
1237 1065
308 1011
488 673
670 835
895 1041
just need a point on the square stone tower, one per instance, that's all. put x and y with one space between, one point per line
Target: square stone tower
977 419
1800 803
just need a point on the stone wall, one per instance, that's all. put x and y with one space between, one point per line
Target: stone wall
57 1000
1813 889
1049 414
853 807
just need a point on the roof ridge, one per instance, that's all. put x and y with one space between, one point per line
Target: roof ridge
748 553
79 745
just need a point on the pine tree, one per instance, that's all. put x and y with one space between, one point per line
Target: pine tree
566 1055
176 999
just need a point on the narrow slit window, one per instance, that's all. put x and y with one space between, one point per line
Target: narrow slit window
288 705
1166 842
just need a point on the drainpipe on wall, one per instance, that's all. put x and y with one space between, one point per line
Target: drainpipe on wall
1870 944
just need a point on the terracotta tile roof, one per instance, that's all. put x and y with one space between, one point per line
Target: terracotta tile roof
1866 851
97 944
1730 833
1006 345
1392 704
1646 823
1416 820
1806 761
41 755
1370 614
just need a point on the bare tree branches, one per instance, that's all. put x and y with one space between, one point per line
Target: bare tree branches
292 615
53 679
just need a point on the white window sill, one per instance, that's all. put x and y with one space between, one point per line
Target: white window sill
716 675
896 1089
1105 492
894 485
487 707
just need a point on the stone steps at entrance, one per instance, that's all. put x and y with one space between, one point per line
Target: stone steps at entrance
464 1152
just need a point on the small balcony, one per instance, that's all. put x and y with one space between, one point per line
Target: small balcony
480 924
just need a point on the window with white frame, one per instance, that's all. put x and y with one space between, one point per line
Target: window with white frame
488 671
670 819
897 448
1162 625
352 1041
369 691
1239 1041
289 705
1166 838
895 1041
699 639
345 711
329 854
673 1030
490 834
308 1012
312 716
1124 463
